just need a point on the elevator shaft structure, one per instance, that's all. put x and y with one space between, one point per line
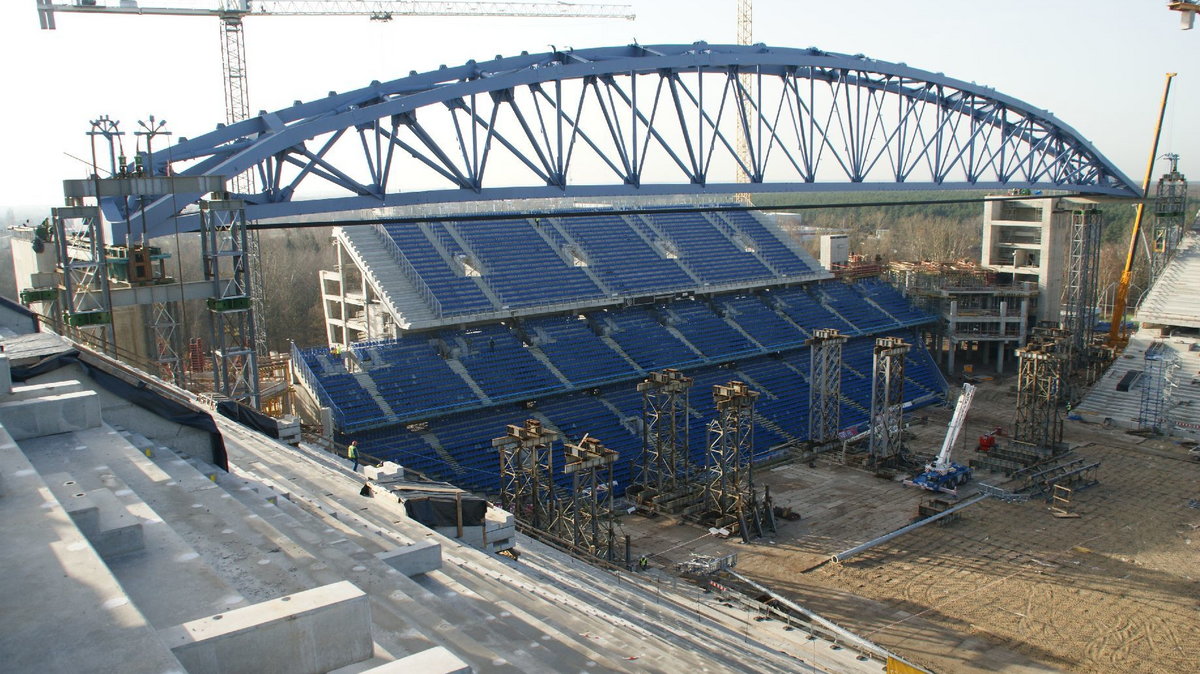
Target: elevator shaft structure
666 468
223 238
1078 316
1040 390
590 522
526 474
728 494
825 386
887 400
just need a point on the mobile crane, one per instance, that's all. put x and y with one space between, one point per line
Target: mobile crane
943 474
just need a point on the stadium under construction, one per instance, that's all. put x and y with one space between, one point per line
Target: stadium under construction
631 424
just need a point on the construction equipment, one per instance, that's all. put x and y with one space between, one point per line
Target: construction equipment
1187 12
1122 293
943 474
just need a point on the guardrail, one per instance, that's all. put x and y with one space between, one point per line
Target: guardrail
313 384
409 271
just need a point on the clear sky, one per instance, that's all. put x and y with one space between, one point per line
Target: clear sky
1098 65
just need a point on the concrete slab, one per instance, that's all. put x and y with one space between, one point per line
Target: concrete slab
433 661
31 391
421 557
61 610
308 632
51 414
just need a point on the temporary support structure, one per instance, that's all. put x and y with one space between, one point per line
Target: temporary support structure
729 479
86 302
887 399
1170 216
666 469
1160 363
825 386
590 520
1078 316
223 239
1039 391
526 473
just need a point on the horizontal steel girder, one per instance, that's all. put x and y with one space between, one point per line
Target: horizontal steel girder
629 121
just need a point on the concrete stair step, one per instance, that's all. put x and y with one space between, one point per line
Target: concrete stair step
103 519
60 586
164 577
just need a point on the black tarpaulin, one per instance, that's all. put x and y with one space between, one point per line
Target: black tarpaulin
442 511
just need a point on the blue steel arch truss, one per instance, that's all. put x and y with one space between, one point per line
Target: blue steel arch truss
635 120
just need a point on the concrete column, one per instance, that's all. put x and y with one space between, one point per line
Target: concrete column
950 357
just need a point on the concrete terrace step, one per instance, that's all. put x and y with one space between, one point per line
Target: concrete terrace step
62 587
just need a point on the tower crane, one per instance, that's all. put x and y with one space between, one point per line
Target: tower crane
745 36
943 474
233 51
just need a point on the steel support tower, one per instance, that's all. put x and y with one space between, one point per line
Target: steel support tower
1040 389
1078 316
1170 216
526 474
86 301
887 400
591 522
165 340
666 469
223 240
1156 382
729 480
825 386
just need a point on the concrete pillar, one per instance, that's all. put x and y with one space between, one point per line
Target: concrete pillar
950 357
5 376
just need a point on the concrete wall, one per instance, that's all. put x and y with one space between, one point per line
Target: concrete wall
309 632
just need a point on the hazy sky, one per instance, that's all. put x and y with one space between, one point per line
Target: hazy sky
1098 65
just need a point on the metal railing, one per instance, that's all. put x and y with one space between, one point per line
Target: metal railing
409 271
311 382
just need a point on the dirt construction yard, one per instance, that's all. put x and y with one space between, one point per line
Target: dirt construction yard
1008 587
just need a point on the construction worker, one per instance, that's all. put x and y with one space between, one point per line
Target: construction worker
352 454
643 563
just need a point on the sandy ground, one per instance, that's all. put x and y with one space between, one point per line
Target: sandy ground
1007 588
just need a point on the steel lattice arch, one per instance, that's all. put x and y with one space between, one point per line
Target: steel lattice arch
629 121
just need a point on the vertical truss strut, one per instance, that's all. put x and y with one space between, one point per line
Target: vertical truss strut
591 522
825 385
1040 389
231 313
729 499
526 474
887 400
666 467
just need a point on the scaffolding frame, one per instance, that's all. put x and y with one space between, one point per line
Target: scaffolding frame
1160 363
591 522
1078 314
666 468
1040 390
232 342
825 386
887 400
729 475
526 474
